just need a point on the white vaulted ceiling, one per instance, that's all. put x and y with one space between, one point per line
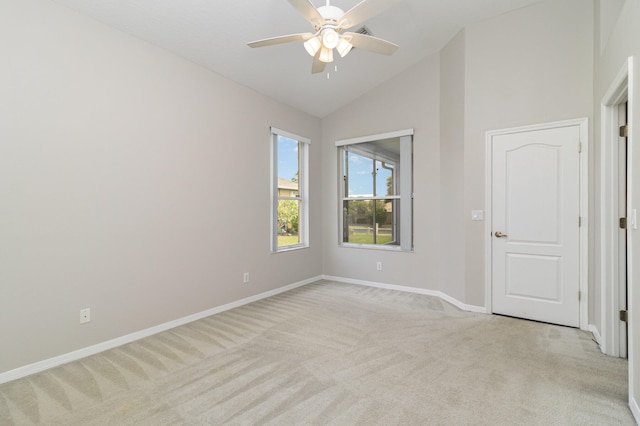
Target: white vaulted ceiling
214 33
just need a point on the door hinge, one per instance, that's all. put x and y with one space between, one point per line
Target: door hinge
579 221
579 147
624 131
623 223
624 316
579 295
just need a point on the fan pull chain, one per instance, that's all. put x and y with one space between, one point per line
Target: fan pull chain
335 68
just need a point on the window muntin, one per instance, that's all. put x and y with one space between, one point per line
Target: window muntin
289 186
376 194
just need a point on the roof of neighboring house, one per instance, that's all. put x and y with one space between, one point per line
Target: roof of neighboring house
287 184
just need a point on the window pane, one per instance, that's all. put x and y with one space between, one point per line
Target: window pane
288 167
369 222
359 175
385 214
288 223
384 179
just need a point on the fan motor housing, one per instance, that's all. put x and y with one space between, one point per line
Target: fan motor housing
331 14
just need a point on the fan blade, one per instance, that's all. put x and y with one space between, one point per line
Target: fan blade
363 11
308 11
281 39
318 65
370 43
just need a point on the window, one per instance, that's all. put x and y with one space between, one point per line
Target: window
376 199
289 183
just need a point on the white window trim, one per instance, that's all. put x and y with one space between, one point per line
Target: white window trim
371 138
406 195
303 174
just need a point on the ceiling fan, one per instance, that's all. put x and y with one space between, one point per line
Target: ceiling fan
328 23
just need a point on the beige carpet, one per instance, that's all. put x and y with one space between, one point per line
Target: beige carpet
337 354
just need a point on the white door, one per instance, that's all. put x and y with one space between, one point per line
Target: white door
535 222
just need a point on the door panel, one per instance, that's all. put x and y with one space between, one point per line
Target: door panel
540 181
536 204
534 277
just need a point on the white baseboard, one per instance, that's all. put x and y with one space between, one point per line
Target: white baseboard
46 364
596 335
441 295
635 410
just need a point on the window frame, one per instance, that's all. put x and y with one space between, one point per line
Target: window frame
404 179
303 190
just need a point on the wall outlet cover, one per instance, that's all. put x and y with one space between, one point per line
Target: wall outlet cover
85 315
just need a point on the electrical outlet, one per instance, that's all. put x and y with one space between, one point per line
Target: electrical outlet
85 315
379 266
245 277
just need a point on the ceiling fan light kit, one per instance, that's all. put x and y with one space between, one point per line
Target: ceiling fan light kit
344 47
330 38
313 45
329 22
326 55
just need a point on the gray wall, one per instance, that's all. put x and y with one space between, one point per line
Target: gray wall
453 216
132 182
410 100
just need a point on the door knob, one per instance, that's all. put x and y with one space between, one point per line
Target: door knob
500 234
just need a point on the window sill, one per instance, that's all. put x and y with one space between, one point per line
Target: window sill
375 247
290 248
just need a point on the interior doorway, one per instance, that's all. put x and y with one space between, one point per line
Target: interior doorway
615 281
616 218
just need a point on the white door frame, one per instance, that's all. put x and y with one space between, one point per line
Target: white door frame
583 123
610 285
621 253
